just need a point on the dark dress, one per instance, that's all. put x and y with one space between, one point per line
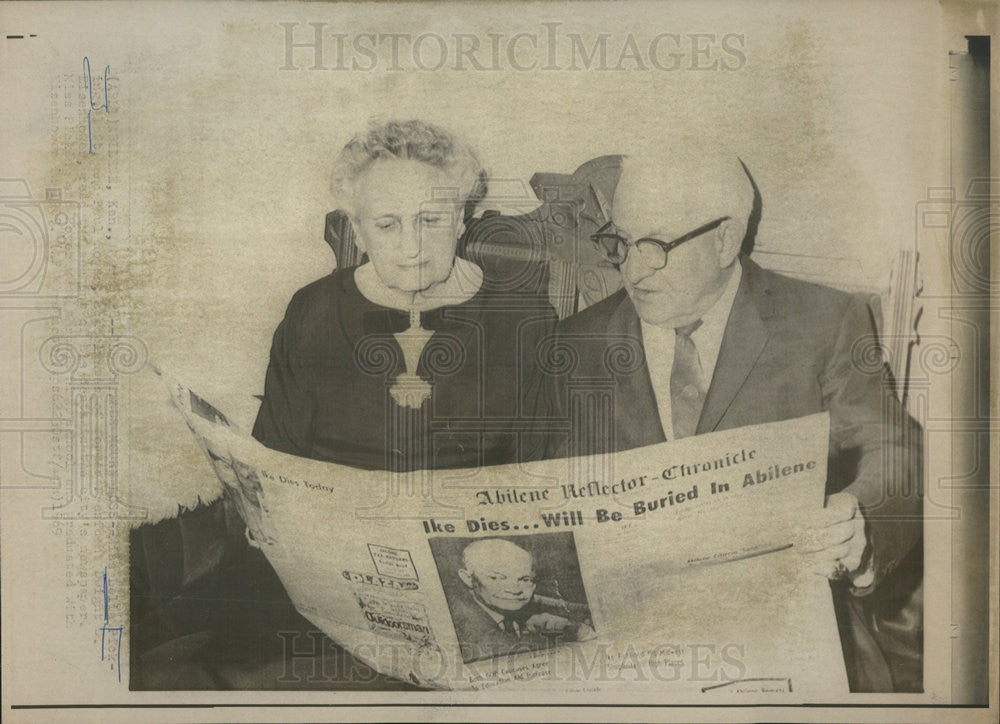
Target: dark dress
334 359
208 611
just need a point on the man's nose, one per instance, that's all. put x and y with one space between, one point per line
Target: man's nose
634 269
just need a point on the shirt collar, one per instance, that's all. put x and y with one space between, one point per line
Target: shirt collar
707 338
713 322
495 615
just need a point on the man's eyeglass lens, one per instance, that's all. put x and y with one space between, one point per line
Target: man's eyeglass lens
652 252
615 250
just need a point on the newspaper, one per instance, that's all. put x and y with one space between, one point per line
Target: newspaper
681 571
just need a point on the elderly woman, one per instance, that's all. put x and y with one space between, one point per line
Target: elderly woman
408 360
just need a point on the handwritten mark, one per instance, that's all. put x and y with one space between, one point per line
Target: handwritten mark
106 629
89 83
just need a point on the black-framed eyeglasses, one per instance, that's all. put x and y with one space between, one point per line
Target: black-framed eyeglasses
653 252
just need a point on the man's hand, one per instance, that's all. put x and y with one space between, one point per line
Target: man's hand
835 544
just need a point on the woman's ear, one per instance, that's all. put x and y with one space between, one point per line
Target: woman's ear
359 240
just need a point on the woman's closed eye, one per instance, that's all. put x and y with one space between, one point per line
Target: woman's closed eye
386 223
435 219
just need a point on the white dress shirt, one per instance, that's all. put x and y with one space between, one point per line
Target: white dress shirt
658 344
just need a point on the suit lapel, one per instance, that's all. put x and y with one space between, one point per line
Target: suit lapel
637 419
742 344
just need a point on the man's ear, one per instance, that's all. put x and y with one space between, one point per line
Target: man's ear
729 241
466 577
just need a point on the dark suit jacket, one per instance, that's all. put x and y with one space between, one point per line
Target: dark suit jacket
790 349
480 637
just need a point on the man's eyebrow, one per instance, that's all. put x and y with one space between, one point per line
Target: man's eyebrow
654 234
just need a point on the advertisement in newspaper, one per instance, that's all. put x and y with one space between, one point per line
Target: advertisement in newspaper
680 573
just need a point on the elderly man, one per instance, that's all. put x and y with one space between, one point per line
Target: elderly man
498 612
726 344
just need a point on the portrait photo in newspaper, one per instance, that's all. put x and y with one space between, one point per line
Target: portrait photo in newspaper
562 354
506 595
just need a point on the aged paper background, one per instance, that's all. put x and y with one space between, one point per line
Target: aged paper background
164 173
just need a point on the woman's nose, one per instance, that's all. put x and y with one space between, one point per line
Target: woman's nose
409 243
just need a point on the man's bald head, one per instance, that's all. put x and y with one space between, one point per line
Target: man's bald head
665 196
684 188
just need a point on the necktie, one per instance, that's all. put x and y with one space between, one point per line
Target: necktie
687 388
510 625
